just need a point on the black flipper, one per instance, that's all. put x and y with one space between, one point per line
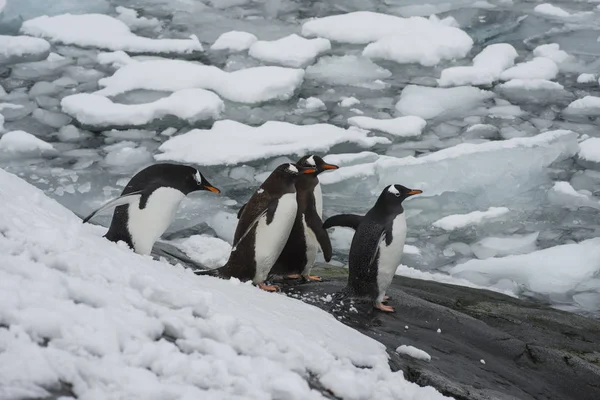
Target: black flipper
269 212
119 201
345 220
241 210
315 223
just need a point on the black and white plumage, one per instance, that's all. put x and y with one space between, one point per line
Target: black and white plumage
148 204
377 245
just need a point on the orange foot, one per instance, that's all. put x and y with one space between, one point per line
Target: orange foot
385 308
386 298
313 278
294 276
268 288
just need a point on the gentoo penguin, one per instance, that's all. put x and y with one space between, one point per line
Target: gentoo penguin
377 245
307 235
264 227
149 202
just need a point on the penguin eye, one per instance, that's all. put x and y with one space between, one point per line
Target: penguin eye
397 194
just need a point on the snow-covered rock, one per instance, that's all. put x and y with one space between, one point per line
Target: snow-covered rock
408 126
18 49
290 51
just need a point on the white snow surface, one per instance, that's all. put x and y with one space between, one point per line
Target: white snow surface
585 105
553 52
234 41
531 84
504 246
131 18
413 352
486 69
408 126
403 40
104 32
290 51
251 85
589 149
11 46
538 68
549 9
586 78
458 221
90 313
191 105
22 142
209 251
347 70
230 142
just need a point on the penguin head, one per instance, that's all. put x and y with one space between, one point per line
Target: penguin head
396 194
196 181
291 171
316 162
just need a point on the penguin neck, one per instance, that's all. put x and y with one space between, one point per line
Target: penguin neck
304 191
383 210
278 185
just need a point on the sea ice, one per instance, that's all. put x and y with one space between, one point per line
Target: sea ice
290 51
209 251
538 68
191 105
413 352
116 59
18 49
251 85
230 142
486 69
50 118
549 9
563 194
134 21
403 40
27 9
504 246
553 52
126 156
408 126
311 104
346 70
588 105
531 84
586 78
459 221
428 102
104 32
23 142
589 149
234 41
349 101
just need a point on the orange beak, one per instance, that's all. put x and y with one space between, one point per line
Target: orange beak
415 191
329 166
212 189
309 171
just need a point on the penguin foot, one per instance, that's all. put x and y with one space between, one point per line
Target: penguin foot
385 298
293 276
268 288
383 307
313 278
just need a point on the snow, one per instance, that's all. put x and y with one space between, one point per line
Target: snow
251 85
134 21
504 246
589 150
191 105
549 9
209 251
104 32
539 67
413 352
349 101
566 188
586 78
79 310
531 84
230 142
403 40
429 103
234 41
458 221
552 51
408 126
117 59
347 70
290 51
22 142
22 48
311 104
588 105
543 271
486 69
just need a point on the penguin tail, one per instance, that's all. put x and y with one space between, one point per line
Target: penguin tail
216 272
343 220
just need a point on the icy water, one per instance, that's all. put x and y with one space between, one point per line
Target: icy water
530 141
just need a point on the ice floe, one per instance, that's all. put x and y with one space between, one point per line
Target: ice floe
408 126
589 149
347 70
234 41
459 221
290 51
538 68
588 105
18 49
549 9
22 142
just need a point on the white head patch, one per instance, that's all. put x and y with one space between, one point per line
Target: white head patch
292 168
198 177
393 190
311 160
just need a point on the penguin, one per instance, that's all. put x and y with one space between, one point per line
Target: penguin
148 204
377 245
307 235
264 225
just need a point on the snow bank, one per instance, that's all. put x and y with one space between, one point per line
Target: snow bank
23 142
403 40
413 352
234 41
428 102
251 85
191 105
230 142
84 312
589 105
486 69
555 270
538 68
104 32
290 51
409 126
459 221
17 49
209 251
589 150
549 9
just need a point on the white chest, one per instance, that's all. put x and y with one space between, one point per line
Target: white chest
391 255
148 224
318 200
311 246
271 238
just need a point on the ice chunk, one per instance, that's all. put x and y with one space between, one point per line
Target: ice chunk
404 40
128 156
589 105
27 9
23 142
428 103
18 49
409 126
459 221
209 251
251 85
41 69
311 104
346 70
134 21
191 105
43 88
230 142
104 32
589 149
53 119
531 84
349 101
289 51
542 271
586 78
413 352
563 194
234 41
486 69
539 67
116 59
506 245
553 52
549 9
